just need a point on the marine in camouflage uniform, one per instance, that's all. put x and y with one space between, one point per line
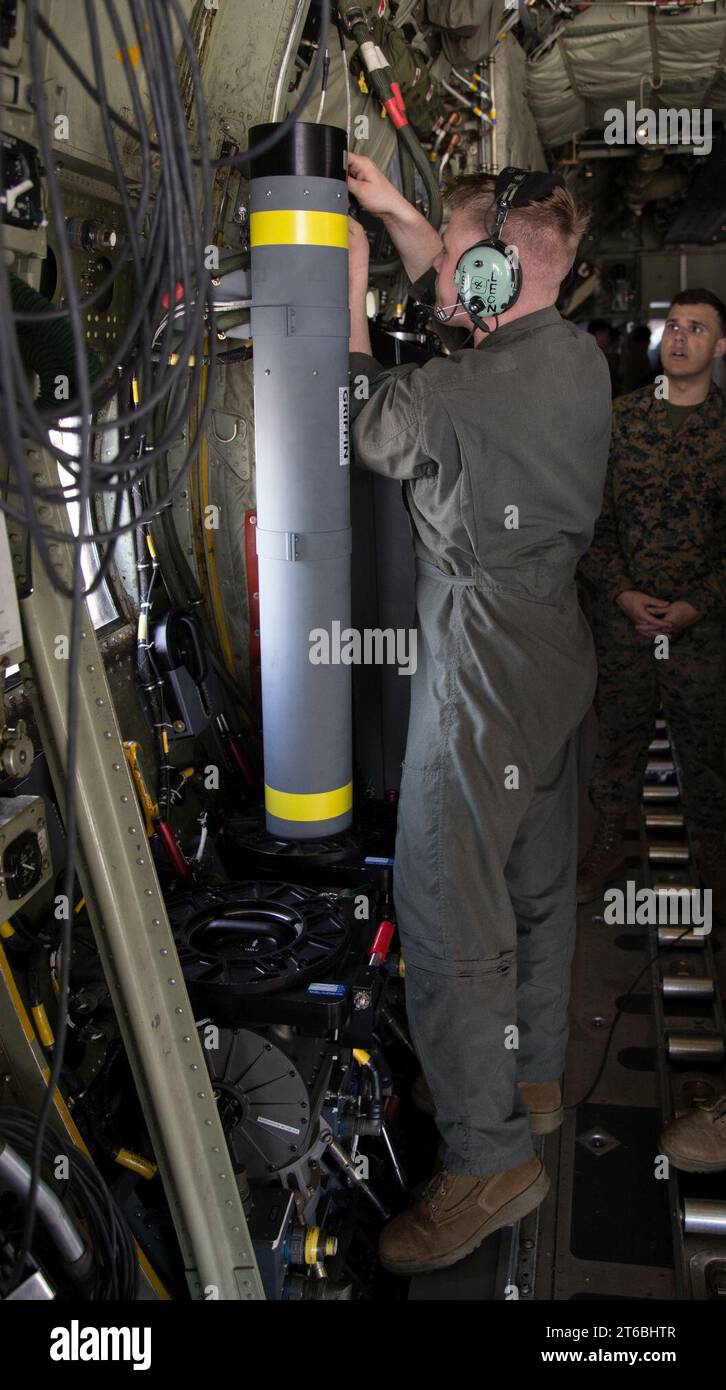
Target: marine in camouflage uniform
662 531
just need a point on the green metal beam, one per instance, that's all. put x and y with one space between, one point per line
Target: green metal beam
133 934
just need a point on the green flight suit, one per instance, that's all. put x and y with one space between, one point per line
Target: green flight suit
502 452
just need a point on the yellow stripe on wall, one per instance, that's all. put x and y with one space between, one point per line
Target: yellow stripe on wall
309 806
295 227
66 1117
15 997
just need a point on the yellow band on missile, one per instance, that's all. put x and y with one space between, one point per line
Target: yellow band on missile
309 805
295 227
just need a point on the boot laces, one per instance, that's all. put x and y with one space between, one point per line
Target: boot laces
436 1187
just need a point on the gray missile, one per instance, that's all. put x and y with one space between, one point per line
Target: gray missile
300 330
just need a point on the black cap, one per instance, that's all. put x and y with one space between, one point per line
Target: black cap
306 149
534 187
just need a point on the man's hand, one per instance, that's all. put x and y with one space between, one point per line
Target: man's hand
653 617
680 615
358 253
646 613
375 193
414 238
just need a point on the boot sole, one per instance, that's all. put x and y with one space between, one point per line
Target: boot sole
546 1122
519 1206
691 1165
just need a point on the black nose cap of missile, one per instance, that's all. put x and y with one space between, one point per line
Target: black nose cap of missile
306 149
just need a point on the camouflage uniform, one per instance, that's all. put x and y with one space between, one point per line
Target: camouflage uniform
662 531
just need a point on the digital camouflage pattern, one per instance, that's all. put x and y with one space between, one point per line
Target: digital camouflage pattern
663 524
662 530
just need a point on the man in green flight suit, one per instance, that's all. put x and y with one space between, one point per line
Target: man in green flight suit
658 569
502 451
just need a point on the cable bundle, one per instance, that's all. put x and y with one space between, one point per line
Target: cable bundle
166 238
114 1268
155 384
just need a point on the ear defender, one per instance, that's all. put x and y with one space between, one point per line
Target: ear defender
488 280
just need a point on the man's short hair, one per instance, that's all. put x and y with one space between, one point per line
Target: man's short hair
704 297
556 218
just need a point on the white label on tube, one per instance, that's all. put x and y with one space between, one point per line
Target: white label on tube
344 424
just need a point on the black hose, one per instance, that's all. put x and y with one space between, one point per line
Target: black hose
114 1272
178 574
411 153
47 348
183 586
375 1107
391 264
425 168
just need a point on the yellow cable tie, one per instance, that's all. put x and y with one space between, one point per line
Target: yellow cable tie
136 1163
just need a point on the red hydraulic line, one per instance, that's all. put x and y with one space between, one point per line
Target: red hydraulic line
173 853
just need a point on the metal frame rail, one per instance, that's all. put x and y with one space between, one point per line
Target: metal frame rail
132 931
683 976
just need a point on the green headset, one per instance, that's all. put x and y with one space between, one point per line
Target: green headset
488 275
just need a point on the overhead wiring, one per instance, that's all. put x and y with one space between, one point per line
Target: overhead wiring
241 158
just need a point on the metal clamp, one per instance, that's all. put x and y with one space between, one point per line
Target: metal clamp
306 545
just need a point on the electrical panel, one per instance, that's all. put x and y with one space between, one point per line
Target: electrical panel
25 864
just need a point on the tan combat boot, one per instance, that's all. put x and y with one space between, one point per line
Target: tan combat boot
543 1100
605 857
697 1141
711 859
456 1213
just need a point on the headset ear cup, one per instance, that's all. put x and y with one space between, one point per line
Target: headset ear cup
485 275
